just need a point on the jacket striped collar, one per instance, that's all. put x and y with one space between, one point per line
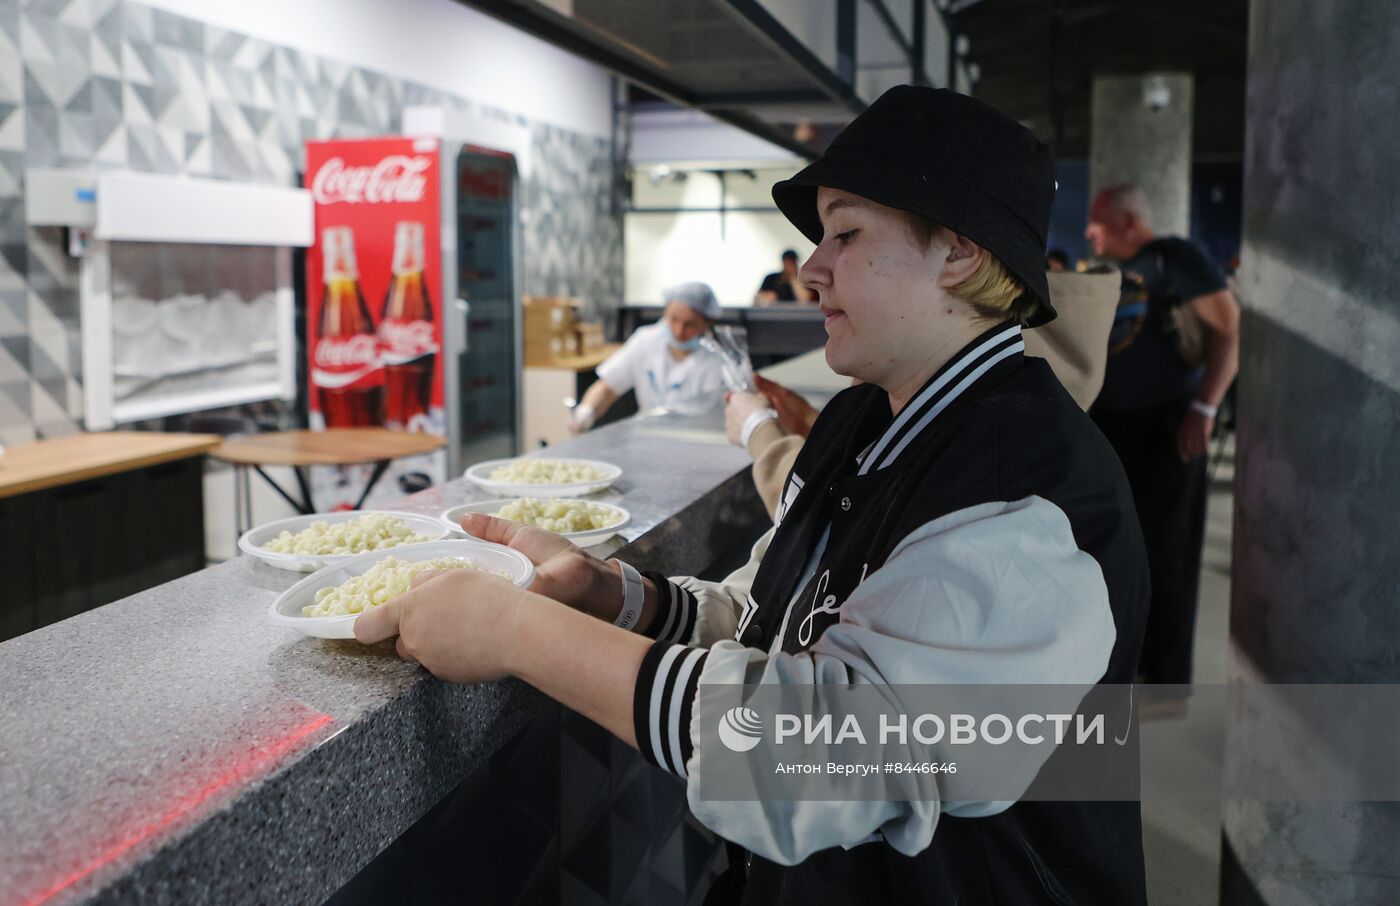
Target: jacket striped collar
952 380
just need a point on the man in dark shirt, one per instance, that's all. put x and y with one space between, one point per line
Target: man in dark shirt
1158 409
783 286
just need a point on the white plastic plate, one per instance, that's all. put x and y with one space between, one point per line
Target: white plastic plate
253 540
286 610
480 474
453 518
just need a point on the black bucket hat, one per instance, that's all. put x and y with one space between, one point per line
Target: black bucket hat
950 159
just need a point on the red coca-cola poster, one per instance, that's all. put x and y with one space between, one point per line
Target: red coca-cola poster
374 281
374 287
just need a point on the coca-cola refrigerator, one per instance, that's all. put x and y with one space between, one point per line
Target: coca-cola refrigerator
481 238
395 224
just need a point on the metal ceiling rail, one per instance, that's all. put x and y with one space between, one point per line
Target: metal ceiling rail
559 30
747 98
839 84
882 12
815 79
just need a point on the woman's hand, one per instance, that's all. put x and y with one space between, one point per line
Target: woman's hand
795 414
459 623
563 571
467 626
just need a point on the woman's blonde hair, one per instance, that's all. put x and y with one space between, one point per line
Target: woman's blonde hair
992 291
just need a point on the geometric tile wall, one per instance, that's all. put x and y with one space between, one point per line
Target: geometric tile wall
115 83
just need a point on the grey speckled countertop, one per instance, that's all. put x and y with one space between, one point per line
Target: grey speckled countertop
173 747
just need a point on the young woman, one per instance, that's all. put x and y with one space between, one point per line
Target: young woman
965 517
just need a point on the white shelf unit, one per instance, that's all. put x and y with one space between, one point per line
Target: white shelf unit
114 207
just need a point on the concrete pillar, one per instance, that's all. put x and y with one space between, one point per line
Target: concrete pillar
1316 586
1140 133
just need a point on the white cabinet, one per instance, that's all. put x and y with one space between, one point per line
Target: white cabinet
549 395
185 288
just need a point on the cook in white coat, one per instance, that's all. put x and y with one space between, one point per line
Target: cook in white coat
663 362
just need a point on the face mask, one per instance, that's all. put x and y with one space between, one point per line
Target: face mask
688 346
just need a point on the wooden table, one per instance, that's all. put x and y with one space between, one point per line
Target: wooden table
300 450
90 518
59 461
589 360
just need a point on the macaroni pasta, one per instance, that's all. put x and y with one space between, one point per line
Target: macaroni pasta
371 532
560 515
383 582
546 471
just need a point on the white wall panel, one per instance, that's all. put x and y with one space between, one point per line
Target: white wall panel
441 43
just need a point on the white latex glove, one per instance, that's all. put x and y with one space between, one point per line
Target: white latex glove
582 418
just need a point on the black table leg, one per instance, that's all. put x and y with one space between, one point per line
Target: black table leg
304 480
302 506
378 473
305 506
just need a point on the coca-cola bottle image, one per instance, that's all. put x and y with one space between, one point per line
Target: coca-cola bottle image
345 360
406 344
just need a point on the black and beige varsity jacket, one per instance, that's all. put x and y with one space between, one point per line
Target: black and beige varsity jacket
985 535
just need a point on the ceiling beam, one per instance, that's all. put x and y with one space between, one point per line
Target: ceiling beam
882 12
560 31
839 86
746 98
918 53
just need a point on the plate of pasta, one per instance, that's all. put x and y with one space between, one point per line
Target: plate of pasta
584 522
327 603
543 477
307 543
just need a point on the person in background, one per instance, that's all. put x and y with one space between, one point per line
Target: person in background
773 422
1056 261
1158 411
784 285
662 362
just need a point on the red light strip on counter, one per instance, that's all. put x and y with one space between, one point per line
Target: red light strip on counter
183 807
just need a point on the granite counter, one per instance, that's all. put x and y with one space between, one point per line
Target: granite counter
172 747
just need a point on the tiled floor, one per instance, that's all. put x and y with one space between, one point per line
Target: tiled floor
1182 839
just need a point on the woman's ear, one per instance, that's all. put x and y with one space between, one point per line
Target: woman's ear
964 258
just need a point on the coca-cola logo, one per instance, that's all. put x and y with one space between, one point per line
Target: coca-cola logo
342 353
397 178
341 362
406 340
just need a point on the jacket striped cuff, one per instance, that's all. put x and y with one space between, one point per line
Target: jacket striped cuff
666 689
675 620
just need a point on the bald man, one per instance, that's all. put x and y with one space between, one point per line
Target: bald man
1158 409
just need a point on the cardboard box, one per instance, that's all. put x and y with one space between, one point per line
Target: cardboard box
548 328
590 336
